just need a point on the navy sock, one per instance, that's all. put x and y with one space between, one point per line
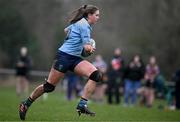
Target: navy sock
83 102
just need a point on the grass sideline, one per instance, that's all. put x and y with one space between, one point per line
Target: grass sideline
56 108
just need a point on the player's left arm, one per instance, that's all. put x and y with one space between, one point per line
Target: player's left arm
85 36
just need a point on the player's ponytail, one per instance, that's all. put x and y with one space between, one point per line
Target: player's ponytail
81 12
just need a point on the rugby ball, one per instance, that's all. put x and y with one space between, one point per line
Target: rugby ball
93 43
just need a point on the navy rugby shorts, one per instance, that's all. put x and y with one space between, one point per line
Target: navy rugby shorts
64 62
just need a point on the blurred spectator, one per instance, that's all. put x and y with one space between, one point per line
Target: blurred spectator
152 71
176 78
170 95
99 92
159 85
133 75
115 75
73 85
23 66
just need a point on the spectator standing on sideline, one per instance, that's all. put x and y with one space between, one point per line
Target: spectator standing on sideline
133 75
115 76
177 88
23 66
152 71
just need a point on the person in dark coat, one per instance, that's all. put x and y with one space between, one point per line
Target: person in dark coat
176 78
23 66
115 75
133 75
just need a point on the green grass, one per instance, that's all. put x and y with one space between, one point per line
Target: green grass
56 108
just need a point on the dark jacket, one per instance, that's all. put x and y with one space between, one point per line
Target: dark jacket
23 70
134 73
176 78
114 77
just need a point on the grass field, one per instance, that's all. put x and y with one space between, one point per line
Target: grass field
56 108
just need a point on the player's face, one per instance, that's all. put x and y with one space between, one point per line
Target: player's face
93 18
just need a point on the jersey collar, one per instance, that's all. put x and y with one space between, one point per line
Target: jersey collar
85 20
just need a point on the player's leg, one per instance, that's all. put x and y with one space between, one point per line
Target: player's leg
84 68
47 87
60 66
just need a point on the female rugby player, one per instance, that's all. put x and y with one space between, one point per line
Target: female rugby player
70 57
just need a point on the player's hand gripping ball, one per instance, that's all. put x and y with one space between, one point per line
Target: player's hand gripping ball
88 51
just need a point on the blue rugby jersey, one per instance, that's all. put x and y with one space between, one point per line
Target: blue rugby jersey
78 35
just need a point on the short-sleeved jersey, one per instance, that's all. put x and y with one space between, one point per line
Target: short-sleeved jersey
78 34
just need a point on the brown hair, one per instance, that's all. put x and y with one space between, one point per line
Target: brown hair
81 12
